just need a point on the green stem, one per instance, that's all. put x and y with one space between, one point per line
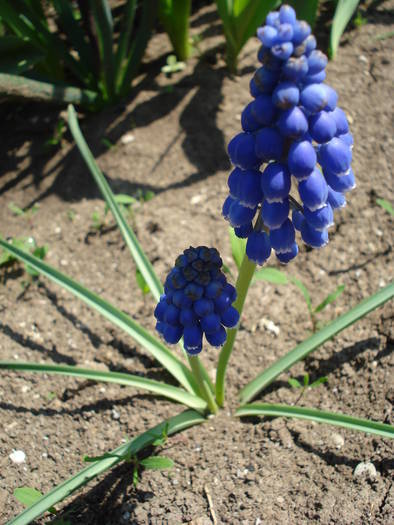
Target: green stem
244 279
205 389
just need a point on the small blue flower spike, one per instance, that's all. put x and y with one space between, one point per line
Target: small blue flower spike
197 300
294 140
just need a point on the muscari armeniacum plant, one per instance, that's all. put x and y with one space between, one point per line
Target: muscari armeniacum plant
294 140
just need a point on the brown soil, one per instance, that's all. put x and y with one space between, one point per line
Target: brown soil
255 471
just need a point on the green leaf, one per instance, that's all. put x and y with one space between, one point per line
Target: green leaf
175 367
171 392
306 10
131 240
315 341
28 496
343 13
318 382
157 463
294 382
320 416
18 86
238 248
329 299
141 282
175 424
271 275
174 15
103 22
138 45
306 380
301 286
385 204
16 210
124 37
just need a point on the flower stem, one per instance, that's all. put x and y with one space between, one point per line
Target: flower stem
205 389
244 279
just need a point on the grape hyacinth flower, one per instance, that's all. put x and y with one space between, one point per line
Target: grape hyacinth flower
197 301
294 126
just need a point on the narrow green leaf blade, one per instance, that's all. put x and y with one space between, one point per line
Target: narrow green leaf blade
175 424
113 314
320 416
104 28
131 240
385 205
171 392
157 463
343 13
23 87
306 10
238 248
27 495
294 382
329 299
271 275
301 286
312 343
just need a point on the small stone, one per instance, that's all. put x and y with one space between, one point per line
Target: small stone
18 457
196 199
269 325
366 469
115 414
126 516
127 138
363 58
338 440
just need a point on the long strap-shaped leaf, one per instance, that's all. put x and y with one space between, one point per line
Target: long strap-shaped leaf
113 314
313 342
131 240
343 13
104 28
171 426
340 420
19 86
171 392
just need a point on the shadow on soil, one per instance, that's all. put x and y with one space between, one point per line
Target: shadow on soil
25 153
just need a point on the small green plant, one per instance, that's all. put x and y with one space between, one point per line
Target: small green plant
294 383
9 262
107 143
147 463
58 134
28 496
386 206
173 65
26 213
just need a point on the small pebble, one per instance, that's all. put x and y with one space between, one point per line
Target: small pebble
18 457
115 414
269 325
338 440
127 138
365 469
126 516
196 199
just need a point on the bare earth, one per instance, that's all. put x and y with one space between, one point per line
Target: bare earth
252 471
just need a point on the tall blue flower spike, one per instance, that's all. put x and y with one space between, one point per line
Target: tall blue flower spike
197 301
295 127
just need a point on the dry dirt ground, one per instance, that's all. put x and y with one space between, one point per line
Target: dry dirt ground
254 471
